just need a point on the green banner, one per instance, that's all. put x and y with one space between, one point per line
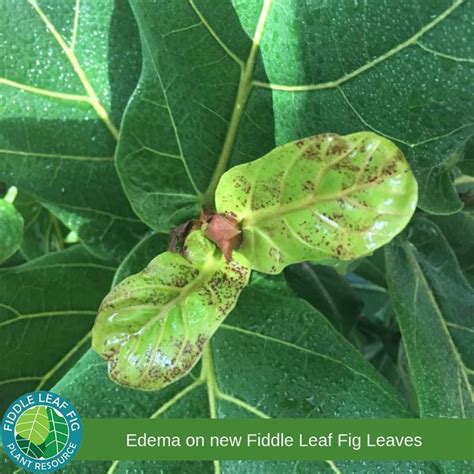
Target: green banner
278 439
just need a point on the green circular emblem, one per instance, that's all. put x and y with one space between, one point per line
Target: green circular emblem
41 432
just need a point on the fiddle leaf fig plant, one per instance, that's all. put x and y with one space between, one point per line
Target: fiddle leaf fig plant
319 198
238 208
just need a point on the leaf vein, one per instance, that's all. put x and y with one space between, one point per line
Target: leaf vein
55 155
212 32
308 351
356 72
171 117
69 52
45 92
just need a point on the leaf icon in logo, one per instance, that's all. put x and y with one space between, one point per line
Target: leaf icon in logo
29 448
33 425
58 435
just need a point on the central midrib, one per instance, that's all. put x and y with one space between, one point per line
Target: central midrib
273 212
207 272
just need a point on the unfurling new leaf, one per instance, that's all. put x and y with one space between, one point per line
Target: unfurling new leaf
319 198
153 326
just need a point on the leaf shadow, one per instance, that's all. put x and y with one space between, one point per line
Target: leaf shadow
124 58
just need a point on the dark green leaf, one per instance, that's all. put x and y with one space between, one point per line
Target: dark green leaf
270 283
13 261
376 300
29 448
188 92
459 231
68 69
327 291
219 100
372 268
466 164
434 304
144 252
296 365
47 308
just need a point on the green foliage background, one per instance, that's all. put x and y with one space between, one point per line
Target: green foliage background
117 119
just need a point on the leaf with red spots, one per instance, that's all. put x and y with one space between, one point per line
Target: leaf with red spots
153 326
320 198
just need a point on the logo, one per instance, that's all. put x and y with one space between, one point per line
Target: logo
41 432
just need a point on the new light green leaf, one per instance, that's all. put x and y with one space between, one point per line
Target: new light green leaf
11 229
320 198
153 326
295 364
33 425
435 307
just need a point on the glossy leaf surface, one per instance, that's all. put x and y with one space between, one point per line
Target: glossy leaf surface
296 365
153 326
320 198
215 93
67 71
435 307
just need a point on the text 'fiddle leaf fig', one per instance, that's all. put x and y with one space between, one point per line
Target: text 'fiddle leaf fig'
153 326
319 198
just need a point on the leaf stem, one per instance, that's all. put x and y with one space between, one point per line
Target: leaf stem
209 376
211 384
245 86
